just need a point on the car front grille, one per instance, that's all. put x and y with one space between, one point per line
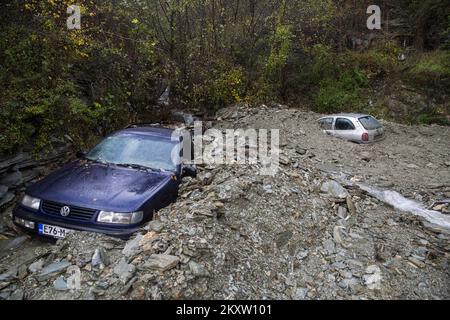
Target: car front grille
76 213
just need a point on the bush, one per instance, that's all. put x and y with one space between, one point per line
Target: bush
335 97
216 86
378 61
430 69
341 85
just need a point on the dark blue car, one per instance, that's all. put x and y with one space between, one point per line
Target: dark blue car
113 189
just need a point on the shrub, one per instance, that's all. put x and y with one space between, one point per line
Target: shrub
216 87
335 97
430 69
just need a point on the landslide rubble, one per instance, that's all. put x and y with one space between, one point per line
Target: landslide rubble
235 234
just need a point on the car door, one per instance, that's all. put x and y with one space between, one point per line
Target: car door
344 128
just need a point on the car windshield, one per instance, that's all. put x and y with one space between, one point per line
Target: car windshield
369 123
135 150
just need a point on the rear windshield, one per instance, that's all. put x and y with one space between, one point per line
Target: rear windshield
369 123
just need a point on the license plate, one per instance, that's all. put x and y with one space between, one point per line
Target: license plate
53 231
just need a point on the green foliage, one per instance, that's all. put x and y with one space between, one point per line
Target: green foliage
341 94
218 87
436 115
88 82
81 82
446 35
339 77
281 44
431 68
381 60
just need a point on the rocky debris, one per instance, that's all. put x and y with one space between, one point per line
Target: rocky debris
184 117
162 262
100 258
350 205
124 270
17 171
234 234
300 294
17 295
60 284
442 206
132 246
155 225
372 278
10 244
7 198
36 266
12 180
197 269
3 191
52 269
334 189
366 156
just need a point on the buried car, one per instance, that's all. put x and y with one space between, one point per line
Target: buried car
113 189
355 127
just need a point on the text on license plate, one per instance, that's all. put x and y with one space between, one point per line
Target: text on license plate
53 231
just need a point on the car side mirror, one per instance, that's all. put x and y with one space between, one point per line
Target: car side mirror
80 154
189 171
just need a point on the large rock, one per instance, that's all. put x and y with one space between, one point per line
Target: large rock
197 269
17 295
373 277
7 245
3 191
36 266
7 199
124 270
29 175
334 189
132 246
162 262
12 180
100 258
155 225
8 162
60 284
52 270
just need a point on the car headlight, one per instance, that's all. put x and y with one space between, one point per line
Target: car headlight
119 217
31 202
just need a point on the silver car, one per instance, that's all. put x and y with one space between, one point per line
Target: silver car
356 127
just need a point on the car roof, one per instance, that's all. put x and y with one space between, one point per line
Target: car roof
347 115
150 131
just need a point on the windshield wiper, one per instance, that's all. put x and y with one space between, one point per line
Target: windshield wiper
135 166
94 160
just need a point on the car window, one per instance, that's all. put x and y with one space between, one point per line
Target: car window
369 123
326 123
151 152
343 124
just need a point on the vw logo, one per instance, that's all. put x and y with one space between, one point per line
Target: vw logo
65 211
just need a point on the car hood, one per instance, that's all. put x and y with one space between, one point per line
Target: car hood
100 186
